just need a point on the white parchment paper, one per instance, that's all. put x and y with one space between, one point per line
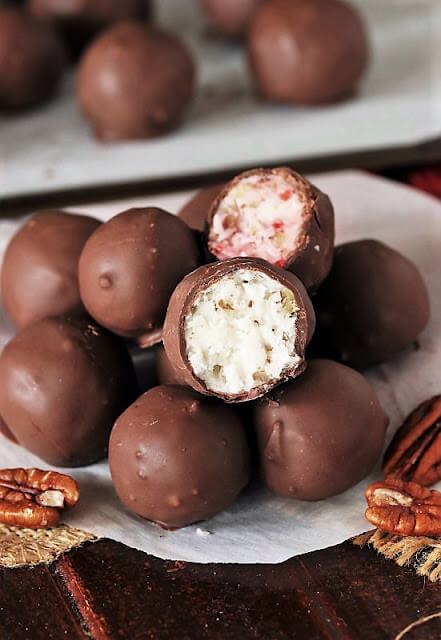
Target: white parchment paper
261 527
398 103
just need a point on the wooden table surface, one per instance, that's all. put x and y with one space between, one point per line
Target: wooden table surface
108 591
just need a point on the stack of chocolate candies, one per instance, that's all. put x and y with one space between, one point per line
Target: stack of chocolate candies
235 332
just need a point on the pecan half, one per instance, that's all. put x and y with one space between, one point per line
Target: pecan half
34 498
404 508
415 451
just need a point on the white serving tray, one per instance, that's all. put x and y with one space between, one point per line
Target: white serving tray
399 103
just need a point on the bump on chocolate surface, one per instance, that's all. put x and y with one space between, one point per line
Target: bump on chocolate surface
63 382
373 305
39 275
307 52
32 59
177 457
321 433
129 268
180 304
134 82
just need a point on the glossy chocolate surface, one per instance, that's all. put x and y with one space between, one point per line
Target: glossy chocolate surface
320 433
39 275
373 305
134 82
129 268
177 457
307 52
63 383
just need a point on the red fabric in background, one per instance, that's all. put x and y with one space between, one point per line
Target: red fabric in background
427 179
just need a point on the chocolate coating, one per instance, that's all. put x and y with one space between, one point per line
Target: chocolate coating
134 82
194 213
311 255
181 302
307 52
32 59
129 268
63 382
373 304
39 275
79 22
321 433
164 369
177 458
231 17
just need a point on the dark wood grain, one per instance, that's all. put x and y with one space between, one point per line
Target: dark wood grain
114 592
32 606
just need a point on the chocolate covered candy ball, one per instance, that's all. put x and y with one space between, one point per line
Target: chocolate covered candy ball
307 51
194 213
63 383
278 215
373 304
321 433
81 20
231 17
39 275
177 457
32 59
129 268
134 82
237 328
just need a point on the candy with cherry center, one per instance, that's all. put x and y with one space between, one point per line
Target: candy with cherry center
373 305
237 328
129 268
32 60
63 383
134 82
177 457
39 275
307 51
321 433
278 215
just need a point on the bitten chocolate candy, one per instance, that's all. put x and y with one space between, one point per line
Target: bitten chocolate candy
321 433
237 328
277 215
194 213
129 268
134 82
307 52
231 17
32 59
177 457
63 382
373 304
39 275
80 21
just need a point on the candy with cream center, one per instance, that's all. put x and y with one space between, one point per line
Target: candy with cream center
237 328
277 215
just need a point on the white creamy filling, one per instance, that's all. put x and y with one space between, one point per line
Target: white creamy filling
240 332
261 216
